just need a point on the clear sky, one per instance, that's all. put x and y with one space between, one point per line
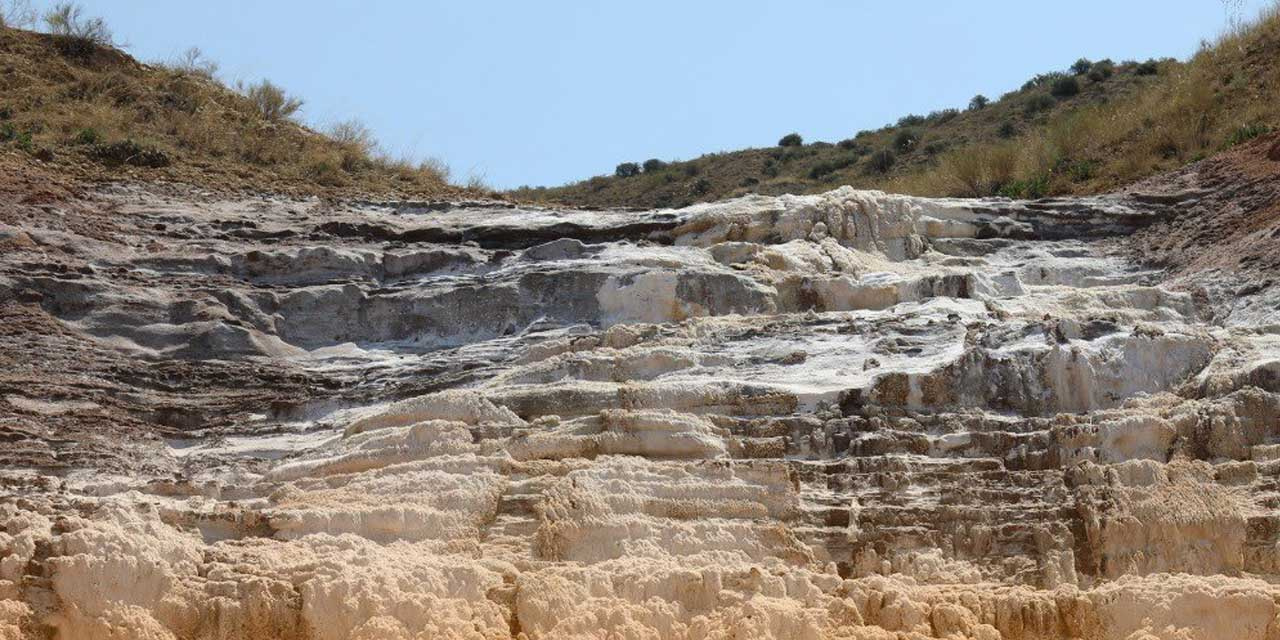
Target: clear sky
543 92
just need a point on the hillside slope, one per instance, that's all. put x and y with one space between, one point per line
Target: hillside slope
96 114
1085 130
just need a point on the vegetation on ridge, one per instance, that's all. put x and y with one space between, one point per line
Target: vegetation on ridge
1092 127
73 101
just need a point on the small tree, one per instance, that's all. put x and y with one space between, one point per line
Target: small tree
791 140
627 170
654 164
75 34
1082 66
978 102
271 101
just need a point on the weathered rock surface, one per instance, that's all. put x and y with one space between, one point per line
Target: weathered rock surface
853 415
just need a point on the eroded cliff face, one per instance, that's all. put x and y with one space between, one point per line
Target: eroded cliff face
853 415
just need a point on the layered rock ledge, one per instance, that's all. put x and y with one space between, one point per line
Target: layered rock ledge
849 415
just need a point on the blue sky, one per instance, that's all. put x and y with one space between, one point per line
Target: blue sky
550 91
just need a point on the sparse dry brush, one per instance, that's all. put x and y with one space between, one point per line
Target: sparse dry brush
271 101
356 144
18 14
75 33
75 101
194 62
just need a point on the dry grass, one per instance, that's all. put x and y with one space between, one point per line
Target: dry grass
1225 94
70 108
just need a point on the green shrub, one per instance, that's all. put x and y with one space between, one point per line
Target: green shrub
1149 68
934 148
791 140
87 135
771 168
701 186
20 139
1102 70
827 167
911 120
943 115
1081 170
627 170
978 102
1043 80
906 140
1081 66
74 34
881 161
653 164
1037 103
1007 130
271 101
1065 87
1037 187
25 142
1246 133
848 143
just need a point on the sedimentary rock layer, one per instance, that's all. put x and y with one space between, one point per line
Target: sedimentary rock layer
851 415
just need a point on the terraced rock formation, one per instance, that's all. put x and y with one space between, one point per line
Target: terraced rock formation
847 415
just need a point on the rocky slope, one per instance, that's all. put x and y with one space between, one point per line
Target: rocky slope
846 415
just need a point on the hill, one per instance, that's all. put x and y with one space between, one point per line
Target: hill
1087 129
72 105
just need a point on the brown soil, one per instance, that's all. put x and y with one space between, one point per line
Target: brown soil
1232 222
